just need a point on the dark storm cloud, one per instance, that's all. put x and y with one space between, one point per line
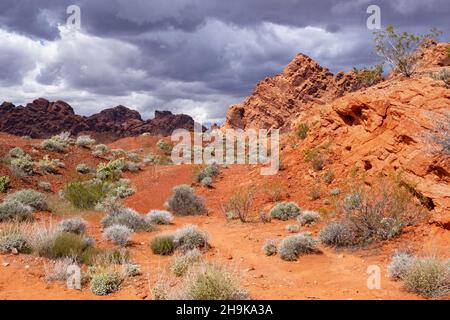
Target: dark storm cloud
184 54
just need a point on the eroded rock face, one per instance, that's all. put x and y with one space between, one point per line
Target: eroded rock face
389 128
42 118
276 100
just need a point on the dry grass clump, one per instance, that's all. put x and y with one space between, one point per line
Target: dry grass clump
163 244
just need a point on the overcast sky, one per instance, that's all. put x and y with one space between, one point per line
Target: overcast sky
190 56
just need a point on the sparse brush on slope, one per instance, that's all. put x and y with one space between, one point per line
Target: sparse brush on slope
31 198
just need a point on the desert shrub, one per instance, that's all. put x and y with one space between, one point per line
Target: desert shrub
24 164
13 239
270 247
314 193
308 217
399 49
16 152
190 237
121 189
400 264
131 166
428 277
213 282
336 234
352 201
159 217
105 257
29 197
285 210
328 177
127 217
84 141
335 192
103 148
207 182
133 156
163 244
58 272
209 171
4 183
317 163
44 186
47 165
83 168
185 202
15 211
131 270
111 170
164 146
74 225
440 137
118 234
302 131
157 159
442 75
367 77
83 195
53 145
63 245
292 228
181 263
294 246
105 283
239 205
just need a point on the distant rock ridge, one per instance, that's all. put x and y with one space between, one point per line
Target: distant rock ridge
42 118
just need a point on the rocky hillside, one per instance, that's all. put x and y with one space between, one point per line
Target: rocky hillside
43 118
276 100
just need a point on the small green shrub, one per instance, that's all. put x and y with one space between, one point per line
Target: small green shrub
185 202
164 146
12 210
24 164
328 177
292 228
112 170
428 277
270 248
308 217
13 239
83 168
118 234
4 183
159 217
53 145
74 225
336 234
181 264
294 246
163 244
47 165
302 131
105 283
31 198
65 245
314 193
83 195
84 141
190 237
285 210
214 282
44 186
16 152
127 217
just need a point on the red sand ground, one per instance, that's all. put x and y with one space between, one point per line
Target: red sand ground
330 275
